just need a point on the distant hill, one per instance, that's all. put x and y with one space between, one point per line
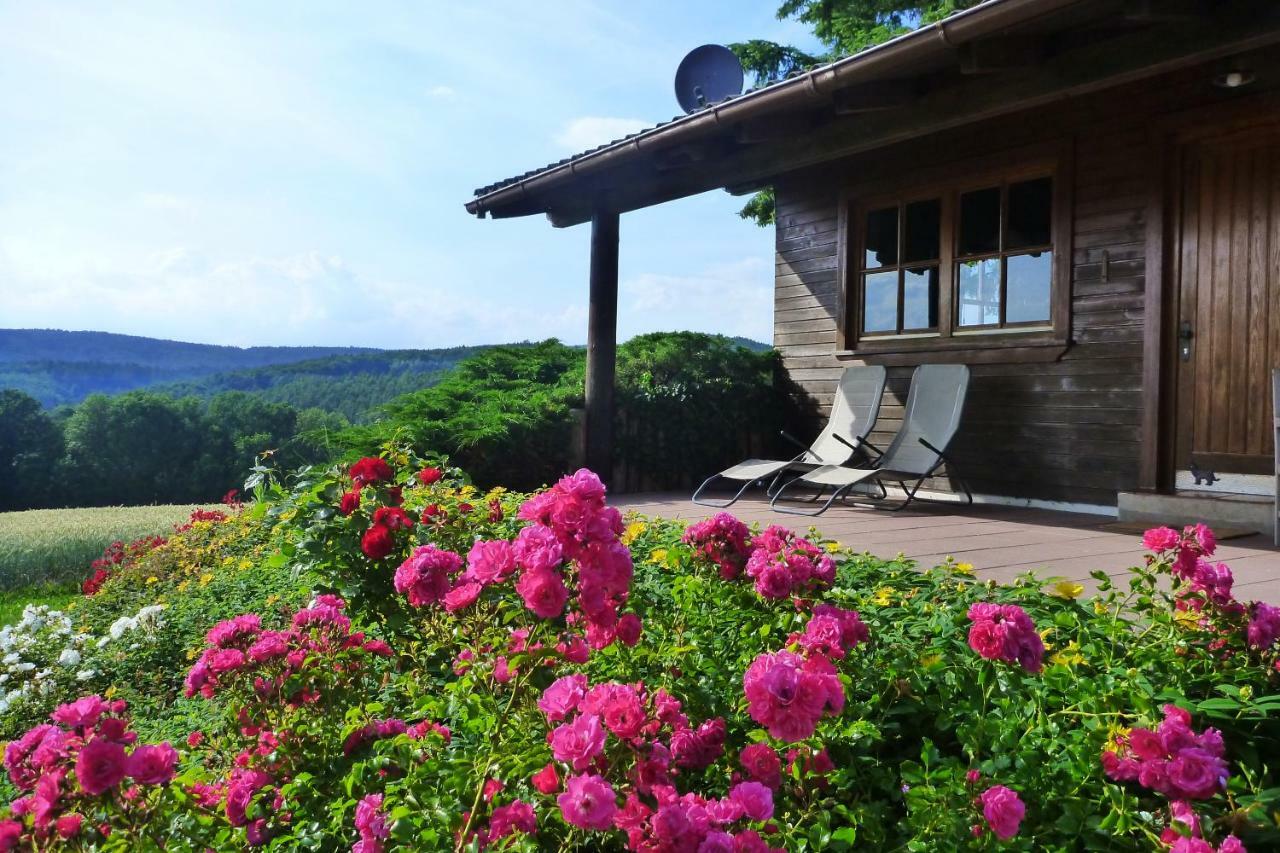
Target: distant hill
350 384
750 343
58 367
62 368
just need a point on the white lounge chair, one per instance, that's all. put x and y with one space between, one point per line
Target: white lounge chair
853 414
930 421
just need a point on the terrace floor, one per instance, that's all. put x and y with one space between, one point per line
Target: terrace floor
1000 542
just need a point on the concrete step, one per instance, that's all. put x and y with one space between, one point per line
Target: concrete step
1223 509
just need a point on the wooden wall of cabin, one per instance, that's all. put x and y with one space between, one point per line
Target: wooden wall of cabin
1066 430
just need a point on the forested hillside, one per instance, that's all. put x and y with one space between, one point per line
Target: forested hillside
351 385
58 367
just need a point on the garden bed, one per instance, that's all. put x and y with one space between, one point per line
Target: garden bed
382 656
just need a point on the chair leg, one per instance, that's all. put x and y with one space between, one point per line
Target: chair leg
773 504
719 504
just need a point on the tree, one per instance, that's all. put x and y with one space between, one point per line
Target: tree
844 27
30 444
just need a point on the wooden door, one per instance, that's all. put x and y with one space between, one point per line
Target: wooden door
1228 268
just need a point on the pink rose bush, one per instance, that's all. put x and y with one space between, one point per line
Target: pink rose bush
569 552
1172 760
722 539
86 762
1005 632
556 676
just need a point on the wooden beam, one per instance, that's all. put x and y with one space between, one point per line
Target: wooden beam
602 344
872 97
1003 53
1165 11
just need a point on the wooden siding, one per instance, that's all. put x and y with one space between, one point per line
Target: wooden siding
1068 429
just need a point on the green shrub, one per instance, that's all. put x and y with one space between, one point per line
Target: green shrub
686 403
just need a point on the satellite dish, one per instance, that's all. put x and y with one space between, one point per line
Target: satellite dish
708 75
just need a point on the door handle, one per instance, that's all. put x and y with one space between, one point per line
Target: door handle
1184 340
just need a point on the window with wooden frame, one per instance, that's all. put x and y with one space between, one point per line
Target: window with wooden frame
959 263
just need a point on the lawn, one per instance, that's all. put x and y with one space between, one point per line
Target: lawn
45 550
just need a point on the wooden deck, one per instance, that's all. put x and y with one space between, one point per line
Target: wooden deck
1000 542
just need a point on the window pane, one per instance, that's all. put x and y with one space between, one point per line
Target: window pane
880 302
1030 214
920 298
882 238
980 222
979 292
1028 285
921 238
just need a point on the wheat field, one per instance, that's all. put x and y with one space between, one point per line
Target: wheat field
47 548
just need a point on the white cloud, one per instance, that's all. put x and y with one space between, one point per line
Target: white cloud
590 131
447 93
731 299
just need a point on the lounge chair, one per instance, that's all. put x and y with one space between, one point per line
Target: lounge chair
853 414
930 421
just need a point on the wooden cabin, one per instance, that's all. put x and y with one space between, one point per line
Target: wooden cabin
1078 198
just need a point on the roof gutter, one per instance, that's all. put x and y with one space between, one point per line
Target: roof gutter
815 86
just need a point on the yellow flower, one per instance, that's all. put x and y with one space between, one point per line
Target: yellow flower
1115 734
658 556
1099 608
272 599
153 579
633 530
1069 656
882 596
1187 618
1044 637
205 579
1066 589
833 547
963 568
246 564
182 587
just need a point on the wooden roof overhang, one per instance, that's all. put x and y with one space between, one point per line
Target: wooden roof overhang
996 58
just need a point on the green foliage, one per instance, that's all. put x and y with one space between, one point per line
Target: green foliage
848 26
54 547
767 61
505 415
761 208
30 445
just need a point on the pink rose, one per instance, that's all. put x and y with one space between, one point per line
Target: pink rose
491 562
579 742
100 766
588 802
543 592
1003 810
152 764
563 696
755 799
1160 539
461 597
762 764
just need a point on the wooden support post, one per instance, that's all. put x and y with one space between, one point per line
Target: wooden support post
602 343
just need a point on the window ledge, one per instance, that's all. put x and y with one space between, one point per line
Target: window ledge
966 349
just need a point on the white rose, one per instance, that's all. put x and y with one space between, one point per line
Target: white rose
69 657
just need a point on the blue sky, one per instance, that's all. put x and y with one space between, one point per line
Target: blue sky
294 173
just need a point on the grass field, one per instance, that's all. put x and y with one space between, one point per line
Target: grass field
45 551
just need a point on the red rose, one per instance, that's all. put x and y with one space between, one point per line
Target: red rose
370 469
350 502
427 476
465 508
377 542
392 517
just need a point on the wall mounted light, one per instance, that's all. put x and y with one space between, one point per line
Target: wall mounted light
1234 78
